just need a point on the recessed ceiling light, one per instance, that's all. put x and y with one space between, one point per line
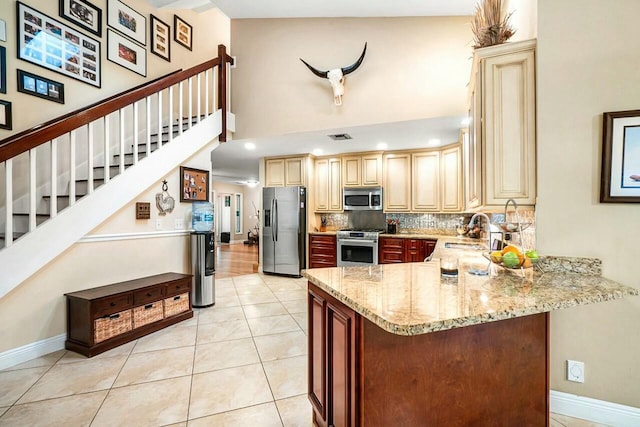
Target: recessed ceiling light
382 146
433 142
249 146
465 121
317 151
252 184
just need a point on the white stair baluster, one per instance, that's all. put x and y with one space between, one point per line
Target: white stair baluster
90 159
121 124
8 183
180 106
148 125
206 93
32 189
72 168
159 120
135 133
170 113
198 98
107 141
53 201
190 100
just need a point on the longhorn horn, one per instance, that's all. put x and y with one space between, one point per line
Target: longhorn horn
315 71
351 68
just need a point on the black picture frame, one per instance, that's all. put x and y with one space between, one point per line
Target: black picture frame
3 69
620 172
41 87
126 53
182 32
160 38
61 48
194 185
5 110
82 13
127 21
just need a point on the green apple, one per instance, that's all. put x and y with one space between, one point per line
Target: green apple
510 260
532 255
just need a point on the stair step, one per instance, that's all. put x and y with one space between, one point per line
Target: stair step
21 221
82 185
129 156
16 236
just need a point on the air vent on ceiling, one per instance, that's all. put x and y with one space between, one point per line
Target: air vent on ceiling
340 136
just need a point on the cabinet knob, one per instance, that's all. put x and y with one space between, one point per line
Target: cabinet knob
113 304
148 294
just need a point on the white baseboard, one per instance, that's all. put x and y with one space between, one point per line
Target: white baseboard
27 352
597 411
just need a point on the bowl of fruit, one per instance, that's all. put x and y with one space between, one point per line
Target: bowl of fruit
512 257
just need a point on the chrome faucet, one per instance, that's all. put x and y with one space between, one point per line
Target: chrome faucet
488 231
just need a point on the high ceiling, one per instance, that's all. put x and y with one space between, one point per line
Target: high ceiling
233 163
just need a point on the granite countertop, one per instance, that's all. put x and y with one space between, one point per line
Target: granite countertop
413 299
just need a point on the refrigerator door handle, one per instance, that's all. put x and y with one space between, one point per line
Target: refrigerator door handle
277 219
273 219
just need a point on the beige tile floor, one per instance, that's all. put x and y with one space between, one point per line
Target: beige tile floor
239 363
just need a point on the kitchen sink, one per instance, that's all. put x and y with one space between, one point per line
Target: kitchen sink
467 246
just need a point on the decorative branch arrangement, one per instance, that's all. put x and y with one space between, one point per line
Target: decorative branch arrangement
490 26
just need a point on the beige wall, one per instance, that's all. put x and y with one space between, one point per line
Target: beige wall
210 29
524 19
588 65
35 310
414 68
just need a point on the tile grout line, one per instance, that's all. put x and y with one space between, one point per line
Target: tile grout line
193 368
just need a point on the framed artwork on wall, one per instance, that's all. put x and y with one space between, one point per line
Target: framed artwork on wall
3 30
160 38
49 43
83 14
41 87
122 18
126 53
195 185
620 176
5 115
182 32
3 69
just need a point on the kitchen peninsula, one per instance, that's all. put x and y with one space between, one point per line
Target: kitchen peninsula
399 345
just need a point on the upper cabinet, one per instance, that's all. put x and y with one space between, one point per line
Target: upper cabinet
328 185
285 172
502 109
425 191
396 194
362 170
451 175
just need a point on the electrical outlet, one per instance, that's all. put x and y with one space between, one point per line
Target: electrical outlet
158 224
575 371
179 224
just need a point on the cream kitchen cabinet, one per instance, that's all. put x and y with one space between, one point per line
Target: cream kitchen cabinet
451 176
397 182
285 172
425 191
328 185
502 103
362 170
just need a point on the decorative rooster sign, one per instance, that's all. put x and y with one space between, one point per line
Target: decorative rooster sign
164 202
336 76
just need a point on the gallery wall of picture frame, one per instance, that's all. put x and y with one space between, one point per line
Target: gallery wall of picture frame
182 32
82 13
41 87
126 37
160 38
49 43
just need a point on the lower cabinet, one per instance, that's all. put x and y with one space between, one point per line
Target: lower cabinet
333 338
322 251
397 249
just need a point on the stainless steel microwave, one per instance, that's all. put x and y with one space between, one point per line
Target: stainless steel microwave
362 199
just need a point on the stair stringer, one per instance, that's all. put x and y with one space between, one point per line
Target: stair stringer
36 249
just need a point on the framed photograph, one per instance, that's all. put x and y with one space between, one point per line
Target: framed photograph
122 18
620 176
3 69
5 115
49 43
195 185
160 38
182 32
3 30
126 53
40 87
83 14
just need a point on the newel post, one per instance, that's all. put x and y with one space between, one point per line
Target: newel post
222 87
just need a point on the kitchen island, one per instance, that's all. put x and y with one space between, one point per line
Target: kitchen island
399 345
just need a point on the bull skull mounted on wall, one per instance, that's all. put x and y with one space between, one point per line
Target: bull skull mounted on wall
337 75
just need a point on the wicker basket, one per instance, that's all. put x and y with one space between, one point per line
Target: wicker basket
146 314
176 305
112 325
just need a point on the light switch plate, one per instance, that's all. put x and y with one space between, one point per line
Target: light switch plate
179 224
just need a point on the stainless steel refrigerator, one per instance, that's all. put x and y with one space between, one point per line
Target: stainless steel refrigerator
284 230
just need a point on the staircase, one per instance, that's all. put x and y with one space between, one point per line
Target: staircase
65 177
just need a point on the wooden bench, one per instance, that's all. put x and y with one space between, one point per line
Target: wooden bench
102 318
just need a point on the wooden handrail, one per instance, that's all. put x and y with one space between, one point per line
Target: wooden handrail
31 138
